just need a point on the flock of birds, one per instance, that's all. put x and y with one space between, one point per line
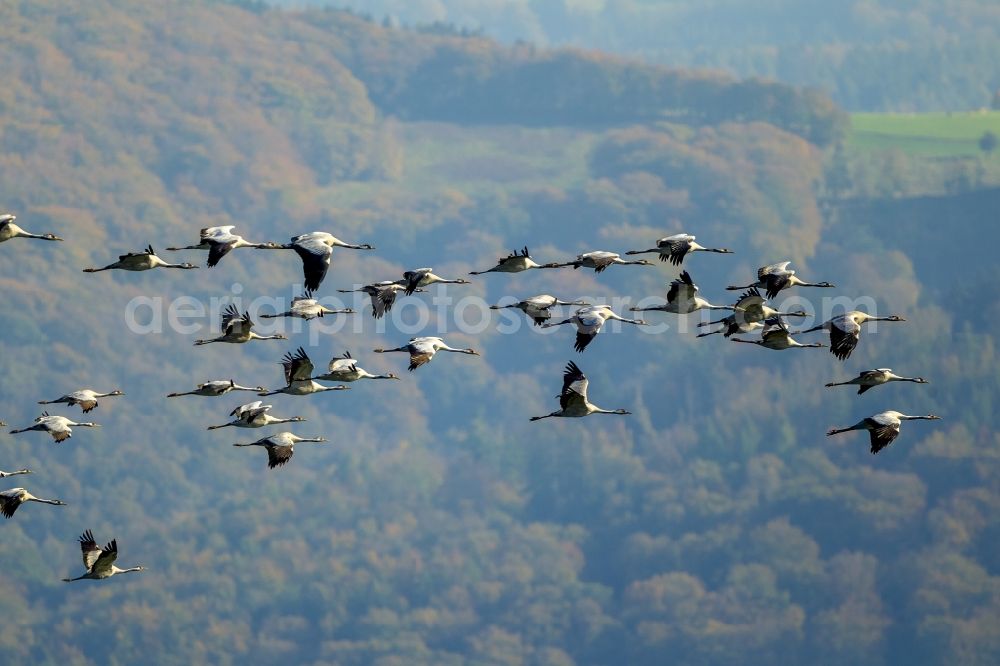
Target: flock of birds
750 313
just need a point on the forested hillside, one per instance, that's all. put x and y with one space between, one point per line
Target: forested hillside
716 525
871 55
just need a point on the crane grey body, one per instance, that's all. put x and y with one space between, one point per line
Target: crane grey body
382 294
589 321
538 308
315 249
57 426
9 230
85 398
775 335
515 262
254 415
775 277
280 447
882 428
306 307
216 388
238 329
11 499
298 369
345 369
220 241
599 260
573 401
683 298
139 261
423 349
675 248
845 331
423 277
99 562
869 379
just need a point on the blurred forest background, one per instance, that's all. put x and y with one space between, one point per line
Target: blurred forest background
715 526
871 55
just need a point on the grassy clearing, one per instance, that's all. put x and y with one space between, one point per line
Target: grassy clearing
925 134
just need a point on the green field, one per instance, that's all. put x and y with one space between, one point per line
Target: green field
927 134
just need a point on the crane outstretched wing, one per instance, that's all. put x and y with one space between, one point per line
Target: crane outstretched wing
89 549
574 386
278 455
844 336
297 366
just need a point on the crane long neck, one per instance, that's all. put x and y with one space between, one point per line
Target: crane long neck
129 570
25 234
612 315
904 417
32 498
255 336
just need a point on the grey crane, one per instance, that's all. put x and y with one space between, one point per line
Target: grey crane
683 298
220 241
775 335
306 307
869 379
382 294
599 260
882 428
538 308
139 261
15 497
57 426
9 230
515 262
589 321
85 398
422 350
99 562
254 415
315 249
573 400
216 388
345 369
675 248
775 277
422 277
298 369
845 331
280 447
238 329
